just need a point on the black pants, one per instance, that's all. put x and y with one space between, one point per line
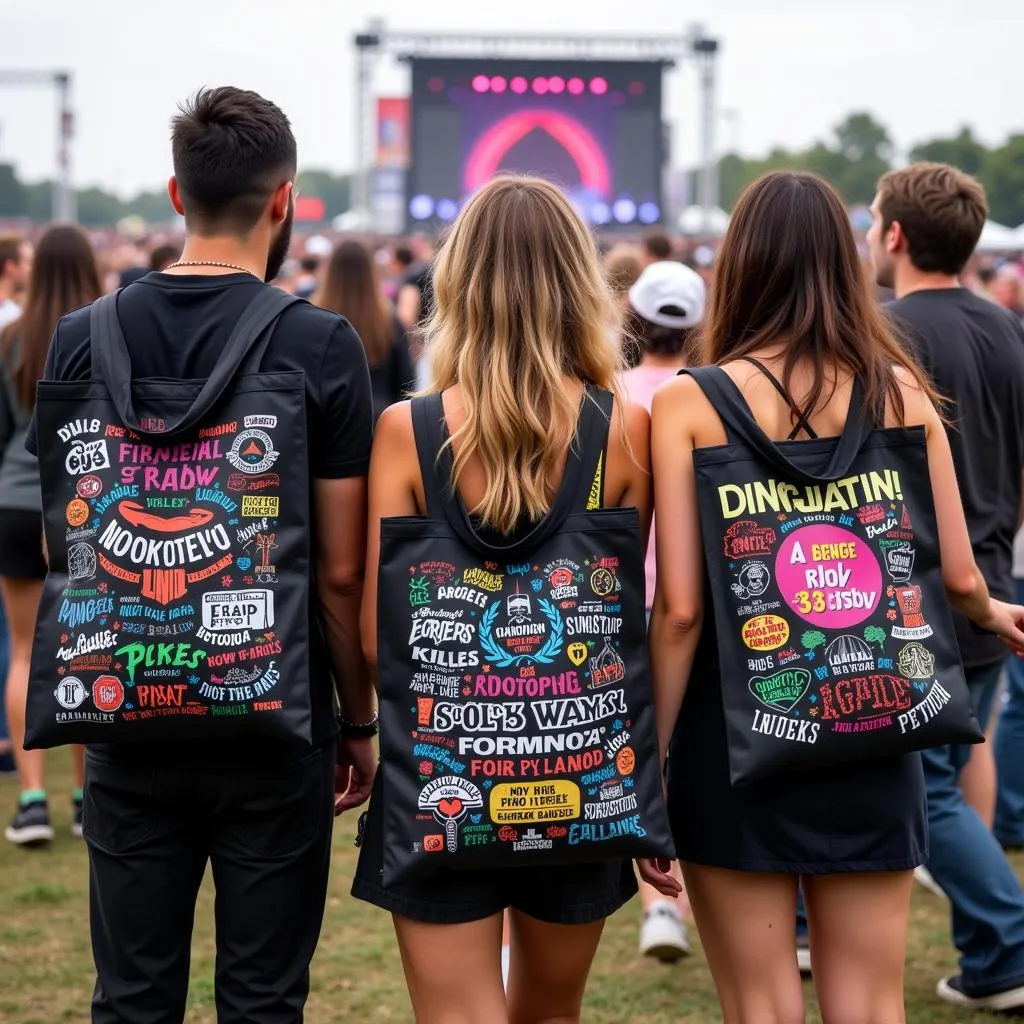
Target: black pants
152 820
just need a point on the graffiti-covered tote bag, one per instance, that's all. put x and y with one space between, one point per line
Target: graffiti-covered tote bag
516 715
176 518
834 632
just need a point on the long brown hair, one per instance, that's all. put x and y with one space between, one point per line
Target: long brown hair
520 303
789 271
352 287
64 276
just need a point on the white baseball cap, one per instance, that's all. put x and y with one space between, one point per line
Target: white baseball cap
669 285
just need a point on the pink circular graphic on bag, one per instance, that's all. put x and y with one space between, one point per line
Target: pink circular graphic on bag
828 576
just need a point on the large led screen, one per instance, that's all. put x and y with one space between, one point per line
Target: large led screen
592 127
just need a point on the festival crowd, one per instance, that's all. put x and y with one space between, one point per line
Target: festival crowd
512 329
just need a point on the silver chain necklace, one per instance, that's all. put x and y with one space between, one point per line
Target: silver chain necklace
210 263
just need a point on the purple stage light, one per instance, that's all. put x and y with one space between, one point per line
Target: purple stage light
576 86
649 213
446 209
624 210
435 84
540 86
481 83
519 85
598 86
421 207
498 83
637 88
556 85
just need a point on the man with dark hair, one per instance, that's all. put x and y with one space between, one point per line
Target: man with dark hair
657 246
259 812
927 219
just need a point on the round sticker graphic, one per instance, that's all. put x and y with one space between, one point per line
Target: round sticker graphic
77 512
765 632
252 452
602 582
70 693
625 761
828 576
107 693
89 486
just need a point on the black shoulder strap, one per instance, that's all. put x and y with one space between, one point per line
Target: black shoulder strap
242 354
803 416
443 502
740 426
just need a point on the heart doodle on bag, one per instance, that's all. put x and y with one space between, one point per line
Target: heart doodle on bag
450 808
577 653
783 690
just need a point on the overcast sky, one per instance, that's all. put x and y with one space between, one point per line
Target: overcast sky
923 67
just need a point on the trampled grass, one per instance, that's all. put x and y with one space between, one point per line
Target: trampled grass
46 967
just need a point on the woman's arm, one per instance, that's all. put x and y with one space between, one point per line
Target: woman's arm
394 466
678 611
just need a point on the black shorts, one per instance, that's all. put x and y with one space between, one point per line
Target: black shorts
580 894
21 544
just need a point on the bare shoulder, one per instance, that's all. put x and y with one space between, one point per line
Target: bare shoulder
636 420
678 398
394 428
917 404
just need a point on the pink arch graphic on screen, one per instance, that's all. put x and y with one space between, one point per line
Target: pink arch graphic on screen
570 134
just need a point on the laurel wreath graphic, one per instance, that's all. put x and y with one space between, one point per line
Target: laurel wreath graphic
501 658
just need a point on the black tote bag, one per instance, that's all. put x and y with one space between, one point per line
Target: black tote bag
176 518
516 717
834 631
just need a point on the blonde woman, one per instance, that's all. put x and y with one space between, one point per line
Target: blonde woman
519 329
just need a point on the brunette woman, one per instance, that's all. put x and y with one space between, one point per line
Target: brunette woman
519 331
64 277
352 288
793 324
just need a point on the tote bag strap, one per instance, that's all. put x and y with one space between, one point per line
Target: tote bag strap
242 354
443 501
740 426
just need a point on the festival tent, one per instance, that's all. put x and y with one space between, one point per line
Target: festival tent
998 238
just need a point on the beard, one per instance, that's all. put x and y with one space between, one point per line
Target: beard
280 245
882 268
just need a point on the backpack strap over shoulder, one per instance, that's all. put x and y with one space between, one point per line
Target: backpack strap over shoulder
242 354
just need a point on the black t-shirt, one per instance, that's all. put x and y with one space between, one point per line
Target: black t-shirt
176 327
423 279
974 353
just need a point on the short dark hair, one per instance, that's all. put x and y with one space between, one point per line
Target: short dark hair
404 255
232 149
941 211
658 339
310 264
162 256
658 244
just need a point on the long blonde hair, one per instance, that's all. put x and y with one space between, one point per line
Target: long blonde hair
520 302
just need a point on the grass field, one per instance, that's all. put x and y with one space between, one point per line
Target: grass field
46 968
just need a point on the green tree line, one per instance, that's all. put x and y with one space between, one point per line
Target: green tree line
860 151
97 207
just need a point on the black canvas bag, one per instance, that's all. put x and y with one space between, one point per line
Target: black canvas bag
176 515
516 717
834 631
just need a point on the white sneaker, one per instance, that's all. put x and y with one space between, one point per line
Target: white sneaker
663 934
803 956
923 877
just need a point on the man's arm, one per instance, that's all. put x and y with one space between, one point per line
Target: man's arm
341 556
